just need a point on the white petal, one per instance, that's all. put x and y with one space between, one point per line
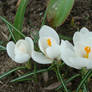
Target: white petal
22 43
76 37
53 52
68 43
24 46
10 49
77 62
21 47
47 31
79 50
69 57
30 44
19 42
40 58
66 52
22 58
43 44
84 30
82 35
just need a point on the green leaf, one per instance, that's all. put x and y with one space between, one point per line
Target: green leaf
58 11
19 18
9 72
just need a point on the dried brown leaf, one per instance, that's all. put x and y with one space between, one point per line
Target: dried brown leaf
53 86
45 76
18 3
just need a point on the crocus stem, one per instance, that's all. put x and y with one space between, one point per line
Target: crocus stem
28 65
59 77
83 72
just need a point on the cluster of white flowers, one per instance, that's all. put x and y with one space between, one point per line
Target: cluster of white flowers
77 56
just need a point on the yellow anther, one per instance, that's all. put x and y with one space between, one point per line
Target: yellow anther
88 50
49 42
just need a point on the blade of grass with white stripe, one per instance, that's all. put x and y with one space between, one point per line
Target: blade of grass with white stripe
25 79
28 74
11 71
32 73
67 81
44 17
19 18
60 78
85 77
2 48
10 30
15 29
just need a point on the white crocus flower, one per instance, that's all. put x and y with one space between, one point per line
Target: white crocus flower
79 55
21 51
49 45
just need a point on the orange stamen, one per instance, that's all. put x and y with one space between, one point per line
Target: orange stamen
88 50
49 42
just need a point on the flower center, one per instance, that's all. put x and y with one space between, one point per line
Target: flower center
87 50
22 48
49 42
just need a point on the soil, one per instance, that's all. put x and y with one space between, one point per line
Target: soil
81 15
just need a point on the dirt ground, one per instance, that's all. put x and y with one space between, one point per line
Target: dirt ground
81 15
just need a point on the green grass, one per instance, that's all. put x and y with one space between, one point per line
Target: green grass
15 30
2 48
19 18
11 71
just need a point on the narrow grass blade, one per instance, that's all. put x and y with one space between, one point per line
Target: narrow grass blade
67 81
19 18
2 47
9 72
15 29
30 74
1 42
27 79
61 79
84 88
44 17
10 30
85 77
